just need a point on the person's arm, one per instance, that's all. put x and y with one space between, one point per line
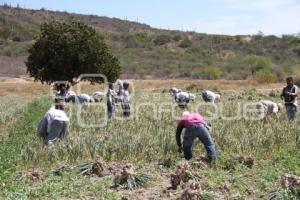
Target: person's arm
275 110
114 94
178 136
295 93
178 98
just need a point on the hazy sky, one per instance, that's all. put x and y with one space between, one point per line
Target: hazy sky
205 16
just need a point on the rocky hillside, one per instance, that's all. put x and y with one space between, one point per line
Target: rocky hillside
146 52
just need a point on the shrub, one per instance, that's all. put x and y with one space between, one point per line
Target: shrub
191 87
16 39
4 32
250 91
296 50
136 40
257 63
177 37
194 49
212 73
272 93
265 76
185 43
130 42
162 39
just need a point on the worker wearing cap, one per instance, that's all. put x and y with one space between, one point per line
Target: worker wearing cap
195 127
55 124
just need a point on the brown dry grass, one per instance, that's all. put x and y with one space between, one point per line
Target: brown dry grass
183 83
22 87
25 86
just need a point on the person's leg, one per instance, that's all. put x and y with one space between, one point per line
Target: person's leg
288 111
188 140
126 110
55 131
123 108
296 112
293 113
109 110
182 106
205 137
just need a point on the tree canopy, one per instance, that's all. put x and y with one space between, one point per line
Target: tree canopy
257 63
66 49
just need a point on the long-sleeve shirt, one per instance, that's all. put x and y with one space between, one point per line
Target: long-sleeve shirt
188 121
98 95
124 96
111 97
44 126
182 97
210 96
290 98
84 99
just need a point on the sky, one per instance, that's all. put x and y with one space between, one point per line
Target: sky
232 17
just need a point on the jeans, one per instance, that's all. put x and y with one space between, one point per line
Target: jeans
201 132
291 110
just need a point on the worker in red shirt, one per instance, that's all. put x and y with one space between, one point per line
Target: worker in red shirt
195 127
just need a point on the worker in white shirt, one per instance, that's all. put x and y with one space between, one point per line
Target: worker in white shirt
98 96
85 99
267 108
209 96
124 97
173 91
182 99
55 124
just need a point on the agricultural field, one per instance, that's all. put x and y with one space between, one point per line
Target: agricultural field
136 158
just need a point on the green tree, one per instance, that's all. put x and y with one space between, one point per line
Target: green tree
65 50
257 63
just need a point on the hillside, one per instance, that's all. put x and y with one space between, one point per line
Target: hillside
146 52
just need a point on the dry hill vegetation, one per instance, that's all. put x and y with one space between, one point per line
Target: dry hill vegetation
146 52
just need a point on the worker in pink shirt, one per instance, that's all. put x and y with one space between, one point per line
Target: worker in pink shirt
195 127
